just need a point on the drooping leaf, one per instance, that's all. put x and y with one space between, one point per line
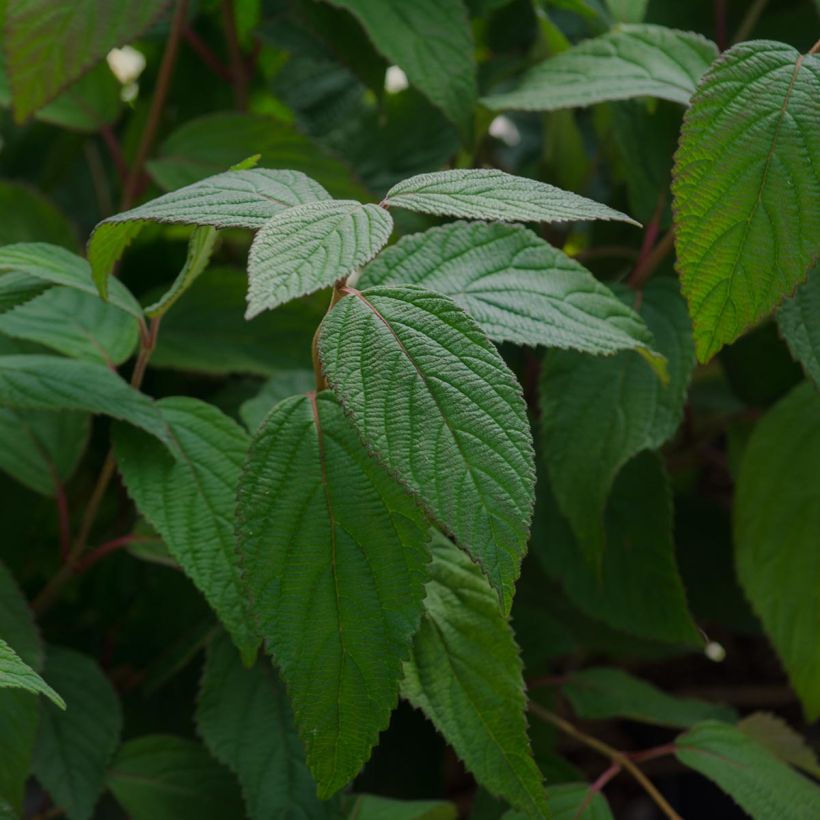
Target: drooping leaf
15 674
49 46
77 324
781 740
162 777
333 556
799 323
438 406
374 807
636 586
246 721
777 522
74 746
599 693
516 286
39 446
598 413
465 675
630 61
479 193
28 216
567 799
762 785
747 225
280 386
188 496
432 42
311 246
233 199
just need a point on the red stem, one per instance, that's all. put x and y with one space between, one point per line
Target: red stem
640 273
651 754
546 680
720 24
113 145
63 516
108 547
206 55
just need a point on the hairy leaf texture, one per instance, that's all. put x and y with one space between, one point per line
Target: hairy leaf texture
16 674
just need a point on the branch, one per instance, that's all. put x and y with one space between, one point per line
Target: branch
238 75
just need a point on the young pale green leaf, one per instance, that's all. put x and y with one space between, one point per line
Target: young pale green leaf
40 447
245 719
233 199
465 675
162 777
516 286
333 556
630 61
598 413
602 693
747 222
310 247
77 324
432 42
478 193
762 785
777 518
188 496
50 263
52 383
781 740
799 323
433 399
636 586
48 46
74 746
576 801
373 807
281 385
15 674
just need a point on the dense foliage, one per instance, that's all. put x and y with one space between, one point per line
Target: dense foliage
409 409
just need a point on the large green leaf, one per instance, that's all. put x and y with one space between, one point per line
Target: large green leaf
777 526
781 740
465 675
74 323
432 41
515 285
762 785
188 496
430 395
29 216
636 585
15 674
598 413
630 61
74 746
245 719
162 777
478 193
333 556
747 225
233 199
799 322
281 385
311 246
568 799
37 447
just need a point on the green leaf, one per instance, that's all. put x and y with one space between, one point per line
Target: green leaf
280 386
598 413
432 42
29 216
49 46
333 557
433 399
477 193
628 11
56 265
274 341
516 286
758 782
567 799
636 585
18 288
777 521
188 497
601 693
311 246
465 675
799 323
747 225
17 626
162 777
74 323
630 61
234 199
373 807
781 740
246 721
74 746
39 446
14 674
207 145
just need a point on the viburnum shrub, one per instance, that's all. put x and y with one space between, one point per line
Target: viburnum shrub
367 464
